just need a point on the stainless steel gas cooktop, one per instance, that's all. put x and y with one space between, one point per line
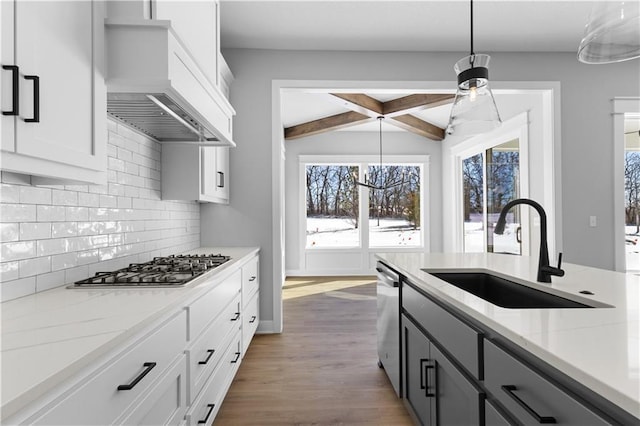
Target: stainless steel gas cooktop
169 271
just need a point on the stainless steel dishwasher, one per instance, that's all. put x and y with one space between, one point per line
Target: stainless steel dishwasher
388 323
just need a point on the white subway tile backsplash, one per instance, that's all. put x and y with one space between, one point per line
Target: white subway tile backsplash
35 230
51 213
17 213
88 199
76 213
64 229
35 195
50 280
17 250
35 266
64 261
9 193
108 201
52 246
9 271
18 288
54 235
65 198
9 232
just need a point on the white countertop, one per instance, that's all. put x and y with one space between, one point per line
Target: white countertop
598 347
50 336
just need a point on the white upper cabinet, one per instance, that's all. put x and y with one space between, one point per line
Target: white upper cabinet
53 94
194 172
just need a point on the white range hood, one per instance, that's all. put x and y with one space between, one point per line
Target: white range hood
156 87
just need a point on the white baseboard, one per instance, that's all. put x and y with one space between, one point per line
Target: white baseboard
265 327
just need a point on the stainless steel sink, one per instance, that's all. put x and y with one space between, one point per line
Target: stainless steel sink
503 292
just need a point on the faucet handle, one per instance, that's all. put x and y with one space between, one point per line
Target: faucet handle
559 260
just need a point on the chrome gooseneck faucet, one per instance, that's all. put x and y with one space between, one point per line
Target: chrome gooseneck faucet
544 270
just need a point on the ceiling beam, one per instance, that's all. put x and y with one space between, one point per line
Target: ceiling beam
412 103
420 127
326 124
361 103
397 110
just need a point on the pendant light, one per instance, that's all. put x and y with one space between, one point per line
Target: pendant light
366 180
612 33
474 109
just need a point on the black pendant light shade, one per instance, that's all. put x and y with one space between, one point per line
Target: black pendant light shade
474 109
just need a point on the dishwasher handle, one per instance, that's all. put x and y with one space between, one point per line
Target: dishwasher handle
387 279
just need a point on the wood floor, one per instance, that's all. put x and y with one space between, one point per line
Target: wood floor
323 369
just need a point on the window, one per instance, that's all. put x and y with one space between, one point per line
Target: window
632 194
340 214
394 212
490 179
332 206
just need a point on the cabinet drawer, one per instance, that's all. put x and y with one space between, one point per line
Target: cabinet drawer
250 279
527 395
99 401
493 417
203 311
461 340
250 320
206 406
165 404
207 350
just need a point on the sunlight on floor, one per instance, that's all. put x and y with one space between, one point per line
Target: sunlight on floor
306 286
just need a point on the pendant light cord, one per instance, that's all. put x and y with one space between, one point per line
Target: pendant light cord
471 10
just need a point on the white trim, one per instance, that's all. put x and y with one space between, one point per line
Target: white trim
551 110
622 108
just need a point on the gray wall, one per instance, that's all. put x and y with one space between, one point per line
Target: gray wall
587 175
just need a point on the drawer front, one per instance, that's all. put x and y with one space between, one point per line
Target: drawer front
99 401
165 403
207 350
204 310
250 279
207 404
529 396
250 320
460 339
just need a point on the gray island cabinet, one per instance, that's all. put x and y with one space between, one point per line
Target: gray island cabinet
461 367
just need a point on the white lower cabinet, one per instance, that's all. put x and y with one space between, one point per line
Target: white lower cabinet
123 382
165 403
207 403
177 372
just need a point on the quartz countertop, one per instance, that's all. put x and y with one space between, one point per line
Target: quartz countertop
599 347
50 336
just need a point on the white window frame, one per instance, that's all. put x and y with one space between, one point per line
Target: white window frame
515 128
363 161
623 107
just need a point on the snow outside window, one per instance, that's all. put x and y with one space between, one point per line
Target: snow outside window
334 203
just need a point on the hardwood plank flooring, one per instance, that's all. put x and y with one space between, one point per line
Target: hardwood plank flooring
322 370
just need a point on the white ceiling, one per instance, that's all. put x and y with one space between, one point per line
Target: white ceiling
418 25
388 25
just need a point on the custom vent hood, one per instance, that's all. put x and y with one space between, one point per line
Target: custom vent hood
155 87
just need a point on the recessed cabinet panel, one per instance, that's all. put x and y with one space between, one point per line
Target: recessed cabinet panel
418 373
529 396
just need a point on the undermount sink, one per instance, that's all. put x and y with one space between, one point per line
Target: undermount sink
503 292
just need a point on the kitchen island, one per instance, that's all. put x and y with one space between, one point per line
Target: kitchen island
597 348
60 340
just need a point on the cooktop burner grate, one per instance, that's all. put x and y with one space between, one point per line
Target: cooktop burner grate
174 270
